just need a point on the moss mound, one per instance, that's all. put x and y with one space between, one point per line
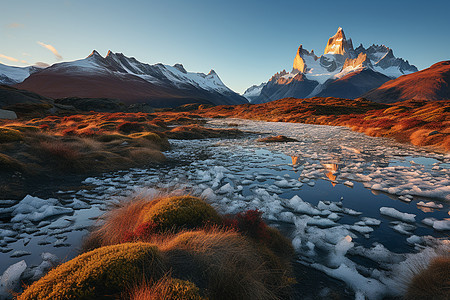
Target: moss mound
178 213
99 273
10 135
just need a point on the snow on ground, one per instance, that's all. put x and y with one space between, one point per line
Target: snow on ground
327 229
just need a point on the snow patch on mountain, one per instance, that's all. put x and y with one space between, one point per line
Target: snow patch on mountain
13 75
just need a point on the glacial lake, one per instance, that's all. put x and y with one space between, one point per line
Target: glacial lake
354 206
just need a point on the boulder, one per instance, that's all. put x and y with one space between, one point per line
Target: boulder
7 114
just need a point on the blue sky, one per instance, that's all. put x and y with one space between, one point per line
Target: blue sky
245 42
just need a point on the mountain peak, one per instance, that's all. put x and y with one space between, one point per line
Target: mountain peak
338 44
212 72
180 68
109 53
94 53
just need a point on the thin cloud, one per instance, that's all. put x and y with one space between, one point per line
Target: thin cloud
52 49
13 59
15 25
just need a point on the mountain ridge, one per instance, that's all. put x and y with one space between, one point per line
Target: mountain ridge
125 78
339 60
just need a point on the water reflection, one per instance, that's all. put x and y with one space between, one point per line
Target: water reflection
333 172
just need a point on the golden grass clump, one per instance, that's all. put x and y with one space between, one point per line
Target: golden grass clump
186 238
164 213
178 212
102 272
225 264
431 283
166 288
8 135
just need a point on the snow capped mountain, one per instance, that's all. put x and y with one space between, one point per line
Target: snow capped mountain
125 78
254 91
12 75
339 60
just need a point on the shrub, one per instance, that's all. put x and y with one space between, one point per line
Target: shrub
166 288
249 223
102 272
10 135
431 283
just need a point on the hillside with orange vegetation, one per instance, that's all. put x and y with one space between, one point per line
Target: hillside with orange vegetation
54 147
420 123
433 83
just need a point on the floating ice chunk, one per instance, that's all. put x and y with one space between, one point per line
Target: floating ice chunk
361 229
441 225
366 221
332 206
298 205
341 249
379 253
49 260
363 286
208 194
61 243
10 280
403 228
351 212
7 232
318 221
414 239
333 216
78 204
282 183
393 213
404 198
297 243
349 183
226 189
287 216
246 182
19 253
36 209
430 204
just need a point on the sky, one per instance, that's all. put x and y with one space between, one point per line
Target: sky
245 42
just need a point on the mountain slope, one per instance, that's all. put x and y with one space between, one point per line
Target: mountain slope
117 76
11 75
354 84
11 96
432 83
328 74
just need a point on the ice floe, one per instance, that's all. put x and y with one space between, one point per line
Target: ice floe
393 213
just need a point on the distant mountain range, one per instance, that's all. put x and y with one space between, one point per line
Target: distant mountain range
119 77
341 71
